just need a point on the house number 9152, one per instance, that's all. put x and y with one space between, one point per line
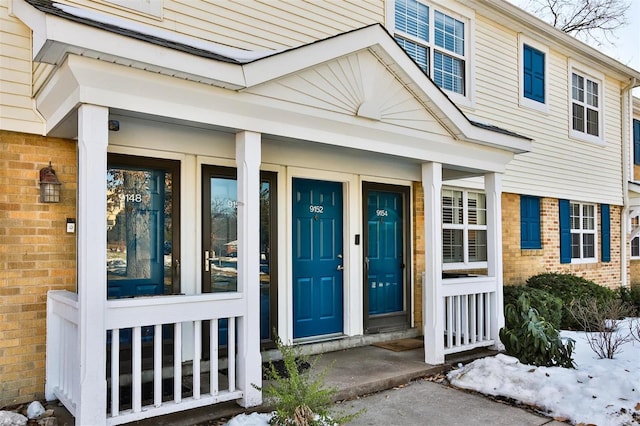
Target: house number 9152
316 209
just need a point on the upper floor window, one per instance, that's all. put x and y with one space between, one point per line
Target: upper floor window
464 229
436 40
533 74
586 106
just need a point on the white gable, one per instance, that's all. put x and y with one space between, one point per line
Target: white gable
355 85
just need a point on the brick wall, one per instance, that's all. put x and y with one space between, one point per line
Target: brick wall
520 264
36 255
634 270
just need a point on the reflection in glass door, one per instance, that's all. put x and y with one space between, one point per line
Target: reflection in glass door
142 226
220 240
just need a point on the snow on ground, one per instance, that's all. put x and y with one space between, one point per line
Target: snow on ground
605 392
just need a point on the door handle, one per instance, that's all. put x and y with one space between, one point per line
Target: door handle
207 259
340 268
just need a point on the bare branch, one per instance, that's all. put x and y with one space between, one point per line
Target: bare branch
589 20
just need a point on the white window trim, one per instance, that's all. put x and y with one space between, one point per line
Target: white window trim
631 256
465 227
463 14
598 77
148 7
524 101
596 240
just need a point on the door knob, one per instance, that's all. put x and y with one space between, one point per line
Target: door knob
340 268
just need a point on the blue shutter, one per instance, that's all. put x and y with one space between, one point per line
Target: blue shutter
533 68
605 221
530 223
565 231
636 142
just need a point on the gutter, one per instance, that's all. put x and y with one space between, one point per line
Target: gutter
627 114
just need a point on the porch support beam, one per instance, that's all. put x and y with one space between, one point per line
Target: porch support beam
432 302
93 135
493 190
249 361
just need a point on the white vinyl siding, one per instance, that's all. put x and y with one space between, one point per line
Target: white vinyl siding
254 25
17 111
559 166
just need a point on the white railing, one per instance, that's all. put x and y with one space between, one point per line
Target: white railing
469 310
139 331
62 372
170 314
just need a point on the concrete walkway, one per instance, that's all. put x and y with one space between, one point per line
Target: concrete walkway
390 385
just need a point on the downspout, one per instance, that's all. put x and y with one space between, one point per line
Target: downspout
627 113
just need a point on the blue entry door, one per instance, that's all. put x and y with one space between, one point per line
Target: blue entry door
385 268
317 258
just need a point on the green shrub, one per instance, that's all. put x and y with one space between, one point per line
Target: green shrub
631 296
531 339
548 306
570 288
298 394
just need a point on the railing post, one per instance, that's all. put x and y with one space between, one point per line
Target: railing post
249 362
92 273
493 190
54 324
432 300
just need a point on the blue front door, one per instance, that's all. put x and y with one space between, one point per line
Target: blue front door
317 258
385 268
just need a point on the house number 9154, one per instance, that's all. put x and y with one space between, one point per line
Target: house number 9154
382 213
316 209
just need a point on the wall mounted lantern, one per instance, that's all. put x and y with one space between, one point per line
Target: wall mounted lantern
49 185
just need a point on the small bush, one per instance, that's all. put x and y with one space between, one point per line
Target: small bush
531 339
548 306
602 321
570 288
298 394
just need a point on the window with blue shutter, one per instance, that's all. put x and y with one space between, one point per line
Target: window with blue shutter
533 66
605 220
565 231
530 223
636 142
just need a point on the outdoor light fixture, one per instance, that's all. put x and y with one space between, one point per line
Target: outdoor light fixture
49 185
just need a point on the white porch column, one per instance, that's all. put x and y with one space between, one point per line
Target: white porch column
432 303
93 135
249 363
493 190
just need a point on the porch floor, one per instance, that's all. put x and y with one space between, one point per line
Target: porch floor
354 372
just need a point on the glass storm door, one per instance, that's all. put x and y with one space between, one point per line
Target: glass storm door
317 258
142 224
220 241
386 289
